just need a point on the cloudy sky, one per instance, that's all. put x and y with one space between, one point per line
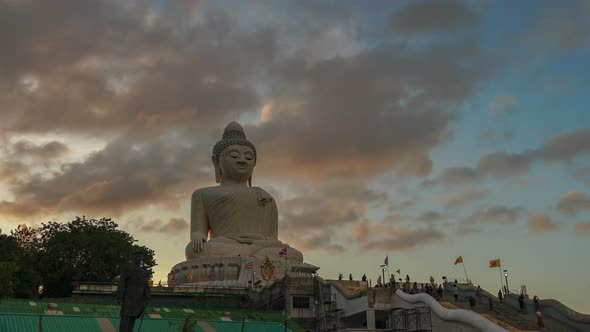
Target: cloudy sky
421 130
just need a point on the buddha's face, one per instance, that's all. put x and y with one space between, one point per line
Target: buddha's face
237 163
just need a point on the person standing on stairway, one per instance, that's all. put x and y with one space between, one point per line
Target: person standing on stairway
521 301
540 322
500 295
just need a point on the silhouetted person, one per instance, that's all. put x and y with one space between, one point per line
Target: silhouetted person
364 278
133 292
350 277
491 303
455 293
340 276
500 295
439 291
521 301
471 301
540 322
536 301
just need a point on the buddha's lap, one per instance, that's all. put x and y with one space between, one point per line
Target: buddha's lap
226 246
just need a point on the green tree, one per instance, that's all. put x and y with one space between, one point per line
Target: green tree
27 277
148 261
84 250
8 264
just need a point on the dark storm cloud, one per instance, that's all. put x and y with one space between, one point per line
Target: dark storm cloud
433 16
18 210
463 198
583 228
380 108
497 214
319 241
557 28
501 164
83 76
429 216
172 226
12 170
24 148
564 146
573 202
126 174
303 220
541 223
400 239
561 147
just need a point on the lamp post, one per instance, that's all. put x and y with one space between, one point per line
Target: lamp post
506 278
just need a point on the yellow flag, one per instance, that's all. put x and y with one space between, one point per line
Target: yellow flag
459 260
495 263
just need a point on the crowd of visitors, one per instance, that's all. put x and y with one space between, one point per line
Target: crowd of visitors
437 292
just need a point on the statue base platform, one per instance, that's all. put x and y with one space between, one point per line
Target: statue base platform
236 271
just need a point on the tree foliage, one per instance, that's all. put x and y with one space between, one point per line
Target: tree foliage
27 276
8 264
82 250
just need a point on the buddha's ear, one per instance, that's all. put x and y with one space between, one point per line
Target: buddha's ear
217 169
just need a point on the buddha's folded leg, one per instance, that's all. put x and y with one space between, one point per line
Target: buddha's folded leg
222 247
228 247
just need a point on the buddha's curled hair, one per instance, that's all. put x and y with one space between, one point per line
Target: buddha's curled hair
233 134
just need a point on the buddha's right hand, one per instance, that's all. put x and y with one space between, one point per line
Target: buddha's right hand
198 240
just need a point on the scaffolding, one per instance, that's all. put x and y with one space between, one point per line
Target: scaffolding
411 320
327 313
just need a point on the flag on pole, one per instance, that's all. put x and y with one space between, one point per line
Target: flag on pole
283 252
398 272
495 263
459 260
386 263
249 265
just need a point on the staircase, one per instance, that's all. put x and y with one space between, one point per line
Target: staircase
507 317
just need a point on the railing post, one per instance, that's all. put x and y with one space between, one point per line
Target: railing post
40 323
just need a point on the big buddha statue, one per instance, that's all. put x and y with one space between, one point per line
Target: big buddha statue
234 223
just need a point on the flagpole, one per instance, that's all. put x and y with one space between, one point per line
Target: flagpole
501 282
286 297
387 266
464 269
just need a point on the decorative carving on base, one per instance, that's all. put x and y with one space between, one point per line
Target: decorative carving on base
268 270
229 271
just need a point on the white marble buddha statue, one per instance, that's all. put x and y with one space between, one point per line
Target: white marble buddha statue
234 218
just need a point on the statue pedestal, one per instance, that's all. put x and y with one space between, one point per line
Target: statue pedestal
236 271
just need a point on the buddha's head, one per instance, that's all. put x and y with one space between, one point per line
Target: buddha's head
234 157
